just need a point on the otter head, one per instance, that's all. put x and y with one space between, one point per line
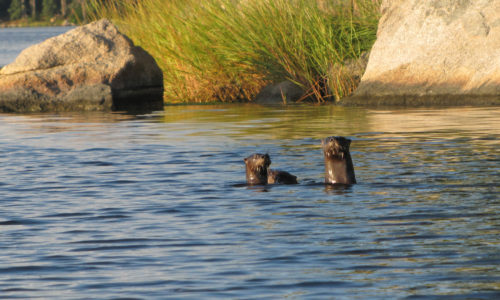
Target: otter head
335 147
338 163
256 168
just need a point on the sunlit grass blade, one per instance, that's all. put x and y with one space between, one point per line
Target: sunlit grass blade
227 50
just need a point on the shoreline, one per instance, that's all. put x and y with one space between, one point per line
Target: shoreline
416 101
30 24
355 100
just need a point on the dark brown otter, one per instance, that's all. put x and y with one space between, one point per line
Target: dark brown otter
256 168
277 176
258 172
338 163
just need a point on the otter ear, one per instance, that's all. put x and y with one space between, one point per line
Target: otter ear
245 160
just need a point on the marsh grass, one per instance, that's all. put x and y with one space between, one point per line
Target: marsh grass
227 50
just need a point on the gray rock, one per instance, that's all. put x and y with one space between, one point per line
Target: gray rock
287 92
354 68
434 52
281 93
92 67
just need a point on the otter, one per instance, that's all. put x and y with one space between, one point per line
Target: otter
278 176
338 163
256 168
258 172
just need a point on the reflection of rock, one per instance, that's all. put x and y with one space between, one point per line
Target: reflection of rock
281 93
466 119
434 52
93 67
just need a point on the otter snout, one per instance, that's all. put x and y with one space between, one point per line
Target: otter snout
256 166
335 147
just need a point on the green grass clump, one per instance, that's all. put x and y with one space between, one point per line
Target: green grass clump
227 50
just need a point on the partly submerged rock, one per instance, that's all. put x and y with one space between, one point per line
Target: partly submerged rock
287 92
432 52
92 67
280 93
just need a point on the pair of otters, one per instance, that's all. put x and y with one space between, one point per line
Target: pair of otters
338 165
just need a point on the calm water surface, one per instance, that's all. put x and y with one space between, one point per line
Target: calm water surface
107 206
14 40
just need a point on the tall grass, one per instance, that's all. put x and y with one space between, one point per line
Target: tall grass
227 50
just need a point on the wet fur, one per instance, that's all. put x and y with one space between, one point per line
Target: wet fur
277 176
258 172
338 162
256 166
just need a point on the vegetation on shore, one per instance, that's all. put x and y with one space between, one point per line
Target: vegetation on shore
227 50
42 12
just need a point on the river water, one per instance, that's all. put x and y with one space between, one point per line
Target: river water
154 206
14 40
99 205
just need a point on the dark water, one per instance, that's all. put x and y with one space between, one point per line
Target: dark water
14 40
108 206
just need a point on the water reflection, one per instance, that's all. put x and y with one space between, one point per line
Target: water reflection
280 122
101 205
445 120
338 189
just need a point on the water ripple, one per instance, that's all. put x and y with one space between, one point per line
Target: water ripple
155 206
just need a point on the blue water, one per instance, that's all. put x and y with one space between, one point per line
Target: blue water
14 40
154 206
105 206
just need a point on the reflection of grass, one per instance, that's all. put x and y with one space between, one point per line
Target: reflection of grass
226 50
282 123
